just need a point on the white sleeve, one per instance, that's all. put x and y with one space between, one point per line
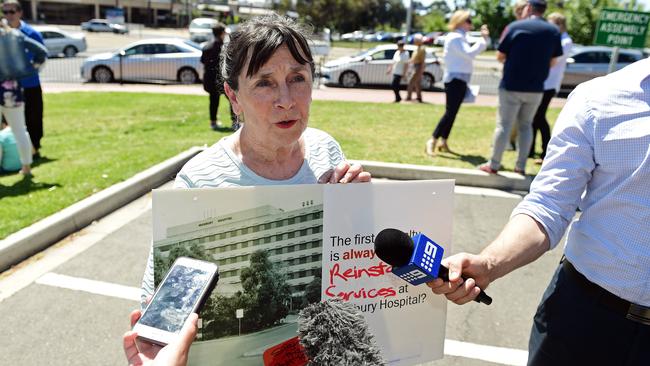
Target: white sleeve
557 190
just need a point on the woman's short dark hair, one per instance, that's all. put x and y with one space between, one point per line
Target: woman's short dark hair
258 39
218 30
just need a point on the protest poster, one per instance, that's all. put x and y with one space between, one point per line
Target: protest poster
280 248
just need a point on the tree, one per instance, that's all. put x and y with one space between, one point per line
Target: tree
313 290
495 14
266 294
350 15
433 21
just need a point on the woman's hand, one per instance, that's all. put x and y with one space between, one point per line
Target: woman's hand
173 354
346 173
485 32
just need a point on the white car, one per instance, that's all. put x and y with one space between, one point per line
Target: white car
61 42
103 25
369 68
166 59
201 29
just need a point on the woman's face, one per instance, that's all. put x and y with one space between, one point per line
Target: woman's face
275 101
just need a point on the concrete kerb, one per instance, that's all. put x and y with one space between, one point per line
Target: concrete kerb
51 229
48 231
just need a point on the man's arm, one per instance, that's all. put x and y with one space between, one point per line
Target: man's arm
501 57
522 241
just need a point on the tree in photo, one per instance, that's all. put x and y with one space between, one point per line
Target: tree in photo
162 264
313 289
266 295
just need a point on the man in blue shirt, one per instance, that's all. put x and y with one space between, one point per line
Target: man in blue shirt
31 85
528 48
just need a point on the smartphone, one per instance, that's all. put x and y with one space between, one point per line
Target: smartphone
183 291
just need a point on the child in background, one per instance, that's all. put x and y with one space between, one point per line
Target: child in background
9 157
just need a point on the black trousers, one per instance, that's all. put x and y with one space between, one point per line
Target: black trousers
541 124
214 107
572 327
34 114
455 93
396 85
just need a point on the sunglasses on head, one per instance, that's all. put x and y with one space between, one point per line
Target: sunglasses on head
468 21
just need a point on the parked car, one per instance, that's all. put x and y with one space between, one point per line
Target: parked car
167 59
103 25
61 42
588 62
369 67
355 36
201 29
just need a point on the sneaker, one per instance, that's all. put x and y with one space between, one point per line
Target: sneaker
430 147
487 168
521 172
216 125
539 161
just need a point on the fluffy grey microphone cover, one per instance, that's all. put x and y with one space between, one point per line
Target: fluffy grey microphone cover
334 333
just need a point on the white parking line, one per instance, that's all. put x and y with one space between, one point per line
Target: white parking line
500 355
90 286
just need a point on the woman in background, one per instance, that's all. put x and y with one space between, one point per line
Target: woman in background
458 57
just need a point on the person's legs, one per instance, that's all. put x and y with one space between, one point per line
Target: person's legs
395 85
411 85
214 107
529 104
572 327
508 110
15 116
419 70
34 114
454 93
541 124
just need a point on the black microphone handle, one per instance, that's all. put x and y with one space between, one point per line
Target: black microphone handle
443 273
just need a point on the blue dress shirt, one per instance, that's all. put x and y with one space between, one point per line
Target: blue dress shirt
33 80
599 160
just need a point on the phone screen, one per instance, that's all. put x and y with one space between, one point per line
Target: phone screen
175 299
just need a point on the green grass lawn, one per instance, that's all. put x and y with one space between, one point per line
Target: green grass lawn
94 140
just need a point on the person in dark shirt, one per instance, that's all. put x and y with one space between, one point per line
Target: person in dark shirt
211 81
528 48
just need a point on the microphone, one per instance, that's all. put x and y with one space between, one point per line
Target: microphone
416 260
334 332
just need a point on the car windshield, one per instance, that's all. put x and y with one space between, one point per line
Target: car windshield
201 25
193 44
365 53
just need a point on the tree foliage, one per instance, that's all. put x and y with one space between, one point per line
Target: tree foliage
162 264
349 15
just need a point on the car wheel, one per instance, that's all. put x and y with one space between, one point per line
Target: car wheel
349 79
187 76
427 82
102 74
70 51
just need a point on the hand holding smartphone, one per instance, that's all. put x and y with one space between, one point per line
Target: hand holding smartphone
183 291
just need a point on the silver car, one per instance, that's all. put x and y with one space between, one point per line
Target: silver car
588 62
103 25
61 42
201 29
167 59
369 67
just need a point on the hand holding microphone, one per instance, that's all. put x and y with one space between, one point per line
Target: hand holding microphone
418 260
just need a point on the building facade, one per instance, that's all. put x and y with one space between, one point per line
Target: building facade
293 240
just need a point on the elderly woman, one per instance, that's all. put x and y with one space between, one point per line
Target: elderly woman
267 68
458 56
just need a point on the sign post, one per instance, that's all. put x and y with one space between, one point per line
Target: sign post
239 313
621 28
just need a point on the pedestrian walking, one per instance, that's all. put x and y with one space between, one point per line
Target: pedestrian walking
31 85
528 49
212 83
399 68
459 57
417 63
551 88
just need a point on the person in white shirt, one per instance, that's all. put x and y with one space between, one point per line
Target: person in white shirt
596 309
551 87
399 67
459 57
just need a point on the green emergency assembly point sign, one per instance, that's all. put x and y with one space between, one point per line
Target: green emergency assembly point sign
622 28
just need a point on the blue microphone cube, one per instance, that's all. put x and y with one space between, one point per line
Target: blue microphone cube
424 264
